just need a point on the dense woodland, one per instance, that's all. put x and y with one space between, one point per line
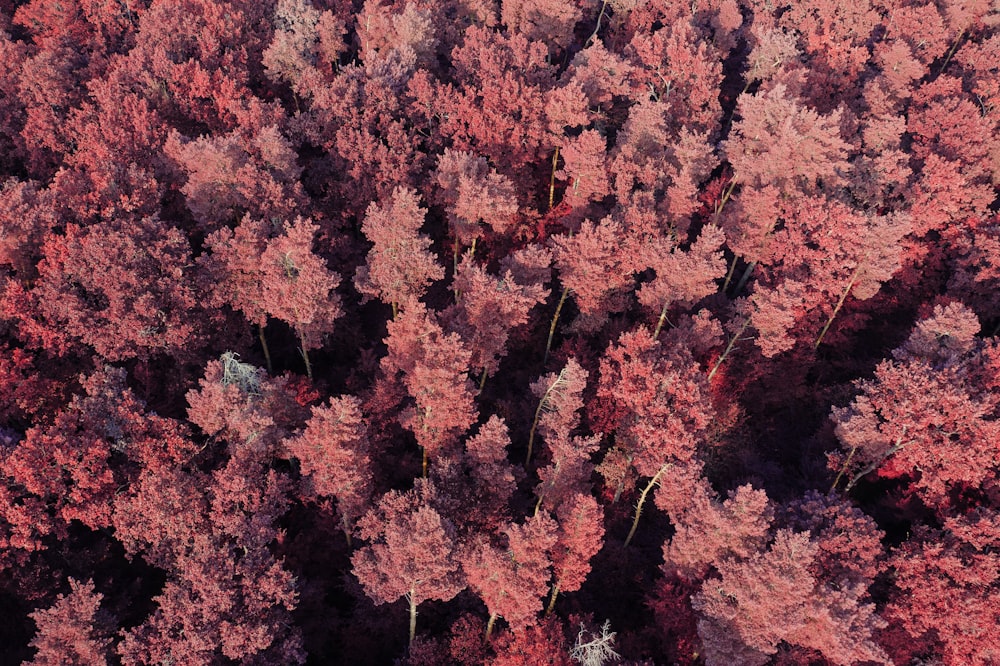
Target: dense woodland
499 332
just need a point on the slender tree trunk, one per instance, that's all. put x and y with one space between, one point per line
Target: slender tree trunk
538 504
840 304
423 463
744 279
552 326
663 318
725 198
843 469
482 380
347 529
597 28
489 626
454 265
619 489
552 179
729 273
642 500
729 348
267 352
413 615
552 600
395 309
305 356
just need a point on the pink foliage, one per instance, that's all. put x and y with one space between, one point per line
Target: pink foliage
772 597
333 454
411 551
69 631
400 265
512 579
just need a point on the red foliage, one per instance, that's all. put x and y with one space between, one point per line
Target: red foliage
497 108
411 551
123 289
818 177
400 265
512 579
235 401
780 141
772 597
683 278
540 645
944 599
475 489
76 464
434 367
580 537
569 467
234 175
333 454
71 632
709 532
226 595
658 401
926 417
263 273
471 192
596 266
488 309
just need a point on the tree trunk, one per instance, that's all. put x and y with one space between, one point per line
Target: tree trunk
489 626
413 615
267 352
552 327
642 499
552 600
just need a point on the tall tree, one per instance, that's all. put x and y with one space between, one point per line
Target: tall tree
400 266
411 552
434 367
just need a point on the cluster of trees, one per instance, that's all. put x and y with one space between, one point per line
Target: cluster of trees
499 331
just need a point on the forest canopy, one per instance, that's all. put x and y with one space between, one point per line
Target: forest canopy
500 332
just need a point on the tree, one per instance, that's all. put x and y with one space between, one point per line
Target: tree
659 408
595 265
226 594
559 403
512 578
264 273
333 454
472 192
252 172
400 266
488 309
237 402
434 367
496 108
124 288
679 66
943 599
298 288
598 650
580 537
306 41
475 488
542 21
926 418
97 443
411 552
71 631
756 603
681 277
780 141
710 531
